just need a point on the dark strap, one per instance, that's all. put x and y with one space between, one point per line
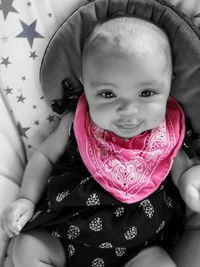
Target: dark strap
190 141
69 100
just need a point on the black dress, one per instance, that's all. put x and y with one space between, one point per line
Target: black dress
95 228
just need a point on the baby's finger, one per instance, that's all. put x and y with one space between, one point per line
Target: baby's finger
8 232
23 220
12 219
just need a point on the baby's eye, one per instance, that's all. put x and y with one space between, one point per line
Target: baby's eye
107 94
147 93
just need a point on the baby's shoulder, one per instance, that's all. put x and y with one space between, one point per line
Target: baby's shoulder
65 123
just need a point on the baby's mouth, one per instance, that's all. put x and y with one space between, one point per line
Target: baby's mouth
128 126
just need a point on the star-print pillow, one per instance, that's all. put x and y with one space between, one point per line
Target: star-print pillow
25 29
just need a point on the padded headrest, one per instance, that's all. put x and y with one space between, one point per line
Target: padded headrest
62 58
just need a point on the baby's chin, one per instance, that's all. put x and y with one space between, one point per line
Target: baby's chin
136 132
126 135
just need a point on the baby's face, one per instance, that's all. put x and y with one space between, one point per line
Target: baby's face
127 95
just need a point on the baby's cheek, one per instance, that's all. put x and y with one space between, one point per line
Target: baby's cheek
160 112
102 118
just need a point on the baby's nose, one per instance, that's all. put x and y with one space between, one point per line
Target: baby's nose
128 108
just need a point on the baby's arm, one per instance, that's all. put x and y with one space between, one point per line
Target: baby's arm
35 178
186 176
39 166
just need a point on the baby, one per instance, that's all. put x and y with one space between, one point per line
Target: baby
111 200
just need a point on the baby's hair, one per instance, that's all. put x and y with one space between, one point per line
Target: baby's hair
125 35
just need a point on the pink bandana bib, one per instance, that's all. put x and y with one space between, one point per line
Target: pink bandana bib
130 169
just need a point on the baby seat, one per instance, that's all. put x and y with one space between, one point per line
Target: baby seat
61 70
61 66
60 79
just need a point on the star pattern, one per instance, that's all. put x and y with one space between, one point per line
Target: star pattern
21 98
29 3
5 61
29 32
33 55
8 90
22 130
6 7
36 122
51 118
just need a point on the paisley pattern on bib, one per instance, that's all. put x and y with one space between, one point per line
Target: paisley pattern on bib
130 169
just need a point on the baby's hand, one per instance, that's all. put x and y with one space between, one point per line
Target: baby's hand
190 188
192 197
16 215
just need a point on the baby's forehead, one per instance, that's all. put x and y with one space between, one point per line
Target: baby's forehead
127 35
127 24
